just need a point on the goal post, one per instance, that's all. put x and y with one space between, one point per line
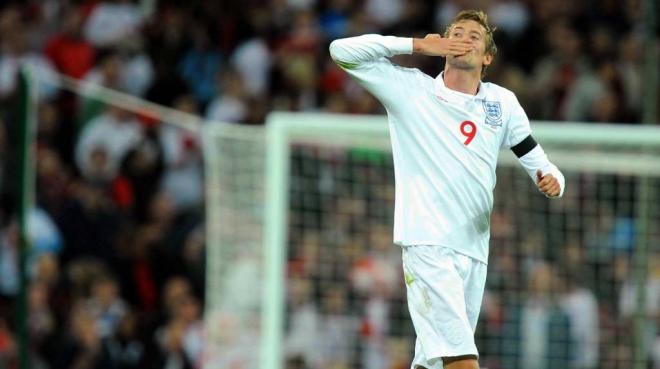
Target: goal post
322 204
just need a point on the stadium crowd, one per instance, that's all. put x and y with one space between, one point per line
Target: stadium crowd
116 269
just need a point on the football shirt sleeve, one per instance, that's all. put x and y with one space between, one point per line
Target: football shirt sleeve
531 155
365 58
518 126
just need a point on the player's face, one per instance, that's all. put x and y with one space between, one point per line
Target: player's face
474 33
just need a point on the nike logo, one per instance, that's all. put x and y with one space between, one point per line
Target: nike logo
441 98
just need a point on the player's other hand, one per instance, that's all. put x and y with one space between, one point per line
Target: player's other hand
547 184
436 45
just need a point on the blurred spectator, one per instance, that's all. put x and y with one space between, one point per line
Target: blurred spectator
9 259
175 289
295 69
8 349
384 13
201 65
150 252
182 177
180 340
253 58
303 321
509 16
106 305
51 170
229 106
46 271
630 73
126 347
83 346
334 20
44 234
89 221
629 299
338 329
68 50
194 334
374 332
538 332
5 172
554 78
140 172
582 308
137 73
375 278
107 70
53 133
194 256
104 142
167 38
170 351
42 322
112 21
15 51
81 274
45 240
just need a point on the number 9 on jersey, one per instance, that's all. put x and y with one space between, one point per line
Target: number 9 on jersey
469 130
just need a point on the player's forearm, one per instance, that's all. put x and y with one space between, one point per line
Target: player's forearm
352 52
535 160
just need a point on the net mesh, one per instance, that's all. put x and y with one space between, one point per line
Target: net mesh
235 190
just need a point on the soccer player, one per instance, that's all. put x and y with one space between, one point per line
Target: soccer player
446 134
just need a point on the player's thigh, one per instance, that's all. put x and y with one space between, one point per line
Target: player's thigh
460 362
474 286
434 282
436 300
455 362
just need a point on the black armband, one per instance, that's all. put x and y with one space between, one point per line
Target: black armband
525 146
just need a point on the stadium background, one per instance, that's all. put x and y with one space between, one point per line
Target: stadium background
116 273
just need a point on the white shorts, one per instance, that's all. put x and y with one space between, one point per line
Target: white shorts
445 289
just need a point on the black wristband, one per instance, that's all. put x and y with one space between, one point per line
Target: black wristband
525 146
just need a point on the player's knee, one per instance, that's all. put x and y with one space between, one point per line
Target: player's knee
460 362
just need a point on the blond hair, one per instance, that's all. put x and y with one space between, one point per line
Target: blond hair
482 18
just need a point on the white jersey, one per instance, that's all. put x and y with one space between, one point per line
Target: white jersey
444 144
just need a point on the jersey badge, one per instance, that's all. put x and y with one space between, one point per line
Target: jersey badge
493 112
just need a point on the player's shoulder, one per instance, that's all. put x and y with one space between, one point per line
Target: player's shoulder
496 92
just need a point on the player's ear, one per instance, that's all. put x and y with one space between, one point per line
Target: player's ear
487 59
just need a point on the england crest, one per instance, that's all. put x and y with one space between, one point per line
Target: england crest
493 112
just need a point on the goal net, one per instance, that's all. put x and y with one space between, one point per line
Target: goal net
302 272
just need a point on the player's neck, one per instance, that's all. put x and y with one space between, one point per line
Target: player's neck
463 81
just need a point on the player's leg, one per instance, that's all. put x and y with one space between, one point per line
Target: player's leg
474 285
436 300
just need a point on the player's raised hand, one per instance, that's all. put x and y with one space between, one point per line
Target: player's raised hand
436 45
547 184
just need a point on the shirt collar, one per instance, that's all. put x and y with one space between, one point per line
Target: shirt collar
447 93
